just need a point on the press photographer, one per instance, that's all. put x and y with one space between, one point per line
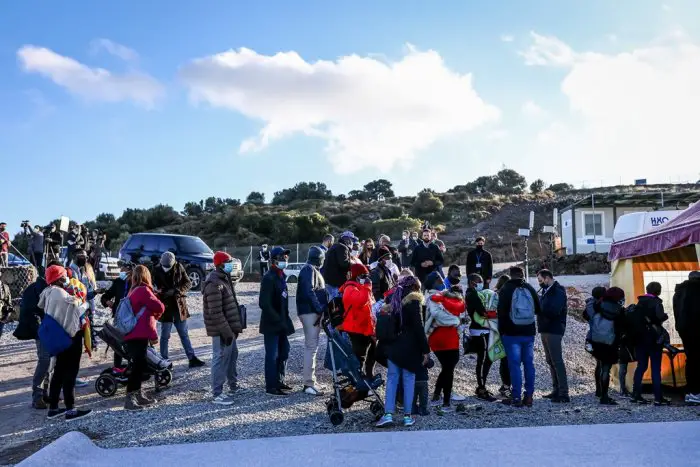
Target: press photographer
75 241
53 239
96 248
36 243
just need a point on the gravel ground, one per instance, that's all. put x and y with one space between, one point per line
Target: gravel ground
186 414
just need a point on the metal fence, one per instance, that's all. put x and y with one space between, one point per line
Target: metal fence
250 255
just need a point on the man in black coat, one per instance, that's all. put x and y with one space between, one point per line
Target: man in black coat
275 323
336 266
406 247
686 310
264 258
479 261
427 257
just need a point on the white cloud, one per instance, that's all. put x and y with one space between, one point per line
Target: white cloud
496 135
548 51
118 50
374 113
530 109
631 114
507 38
90 83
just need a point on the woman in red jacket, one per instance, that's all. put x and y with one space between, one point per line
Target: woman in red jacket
141 297
359 322
444 342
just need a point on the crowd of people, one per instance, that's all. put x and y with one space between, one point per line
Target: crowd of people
399 309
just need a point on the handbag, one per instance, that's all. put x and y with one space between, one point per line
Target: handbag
466 341
54 339
243 311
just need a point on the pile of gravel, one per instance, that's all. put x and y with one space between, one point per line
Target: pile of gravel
186 414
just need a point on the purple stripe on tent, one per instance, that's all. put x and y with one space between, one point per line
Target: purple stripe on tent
682 231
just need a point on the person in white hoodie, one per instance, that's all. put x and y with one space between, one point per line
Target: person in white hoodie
67 311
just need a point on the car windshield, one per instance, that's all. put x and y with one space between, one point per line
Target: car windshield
192 245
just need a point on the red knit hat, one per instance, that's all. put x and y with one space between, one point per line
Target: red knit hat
221 257
357 269
54 273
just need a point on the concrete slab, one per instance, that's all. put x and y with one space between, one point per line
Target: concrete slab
657 444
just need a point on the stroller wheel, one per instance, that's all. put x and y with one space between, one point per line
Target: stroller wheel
377 409
163 378
106 385
337 417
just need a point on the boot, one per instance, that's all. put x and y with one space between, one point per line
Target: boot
130 402
142 399
420 398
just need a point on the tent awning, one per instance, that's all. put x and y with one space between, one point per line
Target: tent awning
682 231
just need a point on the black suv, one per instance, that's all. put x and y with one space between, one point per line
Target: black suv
191 252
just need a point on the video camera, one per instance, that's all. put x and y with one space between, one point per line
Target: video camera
25 225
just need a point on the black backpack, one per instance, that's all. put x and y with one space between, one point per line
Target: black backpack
336 311
387 328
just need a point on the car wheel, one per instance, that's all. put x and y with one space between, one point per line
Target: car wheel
196 278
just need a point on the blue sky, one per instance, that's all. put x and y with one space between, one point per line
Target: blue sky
153 126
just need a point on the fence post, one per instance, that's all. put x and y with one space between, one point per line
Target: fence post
251 259
297 252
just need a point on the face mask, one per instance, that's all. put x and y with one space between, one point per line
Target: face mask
123 275
66 282
479 287
454 280
264 248
282 264
389 263
404 237
354 253
166 268
81 261
228 268
362 281
622 302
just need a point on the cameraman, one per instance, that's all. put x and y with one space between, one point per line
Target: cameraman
75 242
36 243
53 240
4 245
98 245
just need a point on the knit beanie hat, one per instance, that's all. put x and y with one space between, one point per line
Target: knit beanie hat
383 251
357 269
54 273
221 257
615 294
167 259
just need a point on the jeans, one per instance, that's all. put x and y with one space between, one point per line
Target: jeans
520 351
392 383
603 379
65 372
276 355
311 333
41 372
448 362
553 355
2 326
644 353
181 327
364 349
332 292
137 349
692 363
223 365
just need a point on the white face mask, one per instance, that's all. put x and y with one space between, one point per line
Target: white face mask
389 264
354 253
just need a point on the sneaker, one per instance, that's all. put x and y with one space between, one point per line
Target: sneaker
131 404
143 400
551 395
40 405
512 402
446 409
608 401
436 402
312 391
408 421
625 394
236 390
196 363
458 398
527 401
80 383
663 402
386 420
285 387
505 392
75 414
276 393
222 400
484 395
561 400
55 413
692 399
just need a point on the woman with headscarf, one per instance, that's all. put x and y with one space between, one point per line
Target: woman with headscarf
606 328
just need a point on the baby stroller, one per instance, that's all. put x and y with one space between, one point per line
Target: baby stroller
349 383
111 378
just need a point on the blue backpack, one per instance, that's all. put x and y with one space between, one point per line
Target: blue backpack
124 319
522 307
53 337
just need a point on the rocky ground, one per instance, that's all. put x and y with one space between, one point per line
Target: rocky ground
186 414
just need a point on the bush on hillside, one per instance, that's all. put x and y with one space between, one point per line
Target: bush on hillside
391 212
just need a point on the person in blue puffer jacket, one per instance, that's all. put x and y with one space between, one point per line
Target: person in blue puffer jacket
312 300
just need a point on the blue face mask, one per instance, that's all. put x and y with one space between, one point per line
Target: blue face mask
123 275
479 286
228 268
282 264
